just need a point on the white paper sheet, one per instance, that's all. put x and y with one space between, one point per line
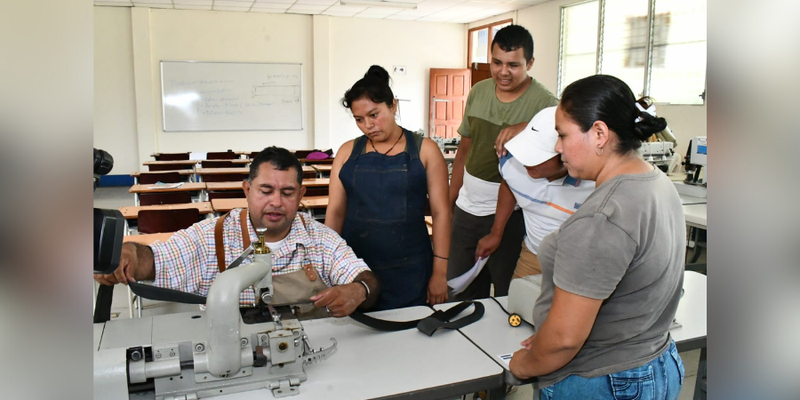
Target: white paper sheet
166 185
459 283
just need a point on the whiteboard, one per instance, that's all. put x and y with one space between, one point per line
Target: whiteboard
229 96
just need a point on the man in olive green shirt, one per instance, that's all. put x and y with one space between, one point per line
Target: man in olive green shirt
511 97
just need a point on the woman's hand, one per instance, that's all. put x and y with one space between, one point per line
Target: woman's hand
517 363
437 285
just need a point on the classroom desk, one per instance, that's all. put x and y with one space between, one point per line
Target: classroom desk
317 182
696 215
306 161
224 186
237 185
147 238
429 224
322 170
496 337
225 205
314 202
153 188
367 364
132 212
137 174
171 162
243 161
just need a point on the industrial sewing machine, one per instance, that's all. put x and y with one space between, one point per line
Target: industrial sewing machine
447 144
659 154
204 354
696 182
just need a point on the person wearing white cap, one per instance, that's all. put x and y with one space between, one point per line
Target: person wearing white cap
535 179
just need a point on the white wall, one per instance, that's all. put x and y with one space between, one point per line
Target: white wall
230 36
358 43
335 52
114 97
543 21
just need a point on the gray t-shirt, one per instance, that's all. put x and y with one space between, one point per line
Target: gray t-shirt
625 245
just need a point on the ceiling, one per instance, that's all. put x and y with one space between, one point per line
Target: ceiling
453 11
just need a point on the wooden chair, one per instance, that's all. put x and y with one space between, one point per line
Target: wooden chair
172 156
222 155
168 167
253 155
228 194
303 153
158 221
224 177
316 191
217 164
147 178
309 174
148 199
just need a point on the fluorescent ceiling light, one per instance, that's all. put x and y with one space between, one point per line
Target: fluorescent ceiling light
389 4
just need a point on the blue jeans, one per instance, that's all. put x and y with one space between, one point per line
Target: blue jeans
659 379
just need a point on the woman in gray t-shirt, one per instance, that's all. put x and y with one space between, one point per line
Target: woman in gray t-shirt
613 272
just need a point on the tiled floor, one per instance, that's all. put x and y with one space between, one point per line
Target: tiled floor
115 197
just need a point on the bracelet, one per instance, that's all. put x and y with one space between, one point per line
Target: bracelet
443 258
366 287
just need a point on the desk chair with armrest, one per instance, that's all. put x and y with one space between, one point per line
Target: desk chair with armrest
303 153
222 155
224 177
162 221
217 164
168 167
313 191
171 156
149 199
228 194
149 178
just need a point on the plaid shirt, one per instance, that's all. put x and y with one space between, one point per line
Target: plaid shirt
188 260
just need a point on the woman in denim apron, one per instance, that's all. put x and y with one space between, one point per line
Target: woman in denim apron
379 190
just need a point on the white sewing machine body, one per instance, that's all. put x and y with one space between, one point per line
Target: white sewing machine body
206 353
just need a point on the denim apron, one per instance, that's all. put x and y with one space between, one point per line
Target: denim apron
385 222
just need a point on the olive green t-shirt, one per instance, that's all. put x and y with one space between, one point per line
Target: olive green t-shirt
484 117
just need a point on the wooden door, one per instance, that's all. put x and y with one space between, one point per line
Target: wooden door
448 98
480 71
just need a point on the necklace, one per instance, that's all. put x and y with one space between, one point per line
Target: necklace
390 148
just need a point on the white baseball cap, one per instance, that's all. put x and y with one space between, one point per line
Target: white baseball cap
537 142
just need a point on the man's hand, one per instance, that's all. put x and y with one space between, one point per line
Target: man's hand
505 135
437 285
487 246
341 300
125 271
135 264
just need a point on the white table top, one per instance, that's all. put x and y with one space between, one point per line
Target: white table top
696 215
692 313
367 363
492 332
495 336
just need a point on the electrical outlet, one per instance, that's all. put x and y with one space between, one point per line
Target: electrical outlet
400 69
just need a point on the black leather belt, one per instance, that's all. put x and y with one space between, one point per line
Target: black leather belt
428 325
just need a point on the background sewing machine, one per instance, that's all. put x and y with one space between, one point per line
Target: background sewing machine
696 182
659 154
205 353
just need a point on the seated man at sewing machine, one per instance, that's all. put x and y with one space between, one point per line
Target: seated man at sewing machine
311 262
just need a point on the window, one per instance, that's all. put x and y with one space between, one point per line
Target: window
658 47
479 40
